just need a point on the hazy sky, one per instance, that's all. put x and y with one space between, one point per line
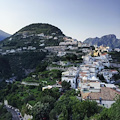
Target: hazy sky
79 19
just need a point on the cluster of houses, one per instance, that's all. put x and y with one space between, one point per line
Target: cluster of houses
21 49
26 34
10 80
99 50
68 46
85 78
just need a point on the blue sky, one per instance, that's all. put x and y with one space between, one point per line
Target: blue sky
79 19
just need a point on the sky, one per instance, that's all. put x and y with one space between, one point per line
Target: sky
79 19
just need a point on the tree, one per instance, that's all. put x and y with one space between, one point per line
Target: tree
53 115
4 114
65 85
48 99
85 109
41 67
41 111
114 111
63 107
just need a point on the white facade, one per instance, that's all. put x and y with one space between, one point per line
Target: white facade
70 76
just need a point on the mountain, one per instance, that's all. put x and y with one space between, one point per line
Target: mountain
107 40
3 35
24 51
37 35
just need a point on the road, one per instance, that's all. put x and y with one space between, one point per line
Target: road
14 113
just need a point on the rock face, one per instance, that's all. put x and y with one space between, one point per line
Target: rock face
3 35
107 40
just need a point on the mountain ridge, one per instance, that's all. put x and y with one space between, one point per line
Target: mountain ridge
3 35
106 40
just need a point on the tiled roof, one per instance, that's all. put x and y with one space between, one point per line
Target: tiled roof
104 54
105 94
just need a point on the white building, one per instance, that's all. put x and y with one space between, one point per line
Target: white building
61 53
70 76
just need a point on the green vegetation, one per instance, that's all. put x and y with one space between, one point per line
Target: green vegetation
102 79
72 58
49 105
109 114
5 69
47 29
69 107
65 85
29 36
45 77
18 95
69 57
25 61
19 64
115 56
4 114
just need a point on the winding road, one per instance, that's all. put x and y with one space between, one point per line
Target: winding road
13 112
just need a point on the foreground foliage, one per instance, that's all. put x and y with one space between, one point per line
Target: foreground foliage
4 114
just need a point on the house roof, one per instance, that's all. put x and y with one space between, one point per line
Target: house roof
105 94
104 54
110 85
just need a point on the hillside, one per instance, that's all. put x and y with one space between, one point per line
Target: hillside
3 35
107 40
37 35
22 52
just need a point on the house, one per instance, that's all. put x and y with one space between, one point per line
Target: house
110 86
7 51
53 34
70 76
88 59
11 80
3 53
31 48
41 35
85 45
24 48
93 79
55 38
12 51
19 49
86 50
61 53
10 39
90 87
104 58
56 48
79 44
73 48
64 63
108 74
117 49
106 96
68 43
46 87
42 44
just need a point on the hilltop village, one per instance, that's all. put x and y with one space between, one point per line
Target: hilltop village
55 77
